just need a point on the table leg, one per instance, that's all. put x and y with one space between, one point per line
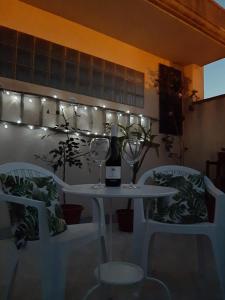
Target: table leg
110 228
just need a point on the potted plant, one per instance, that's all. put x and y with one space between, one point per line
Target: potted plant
125 216
66 154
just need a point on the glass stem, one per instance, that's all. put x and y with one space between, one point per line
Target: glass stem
131 174
100 174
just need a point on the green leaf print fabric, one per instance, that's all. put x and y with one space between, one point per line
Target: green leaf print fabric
25 219
187 206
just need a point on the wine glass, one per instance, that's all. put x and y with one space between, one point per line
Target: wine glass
131 152
99 152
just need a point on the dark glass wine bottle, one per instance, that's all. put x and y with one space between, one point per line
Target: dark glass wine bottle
113 164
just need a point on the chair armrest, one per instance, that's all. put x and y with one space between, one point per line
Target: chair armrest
211 188
220 202
42 213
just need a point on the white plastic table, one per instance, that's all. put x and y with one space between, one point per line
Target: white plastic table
114 272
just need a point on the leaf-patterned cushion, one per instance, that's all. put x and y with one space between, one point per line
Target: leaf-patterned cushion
187 206
25 219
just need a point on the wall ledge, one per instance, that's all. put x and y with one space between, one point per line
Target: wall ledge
219 97
192 17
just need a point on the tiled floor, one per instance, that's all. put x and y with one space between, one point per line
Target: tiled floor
174 262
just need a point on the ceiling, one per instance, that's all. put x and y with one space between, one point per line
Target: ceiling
141 24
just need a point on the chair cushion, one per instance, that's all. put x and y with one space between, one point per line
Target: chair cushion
24 220
186 207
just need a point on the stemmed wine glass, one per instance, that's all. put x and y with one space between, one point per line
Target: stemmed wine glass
131 152
99 152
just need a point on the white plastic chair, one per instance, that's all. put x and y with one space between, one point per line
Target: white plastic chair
55 250
214 231
8 254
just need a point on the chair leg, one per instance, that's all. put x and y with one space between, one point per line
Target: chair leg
218 243
10 277
200 255
53 275
104 249
145 254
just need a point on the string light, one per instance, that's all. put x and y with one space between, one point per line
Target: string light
15 96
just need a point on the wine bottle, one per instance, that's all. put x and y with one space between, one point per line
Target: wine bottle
113 164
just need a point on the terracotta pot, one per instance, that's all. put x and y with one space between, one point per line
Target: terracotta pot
72 213
125 219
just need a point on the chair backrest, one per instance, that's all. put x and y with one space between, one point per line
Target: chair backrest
184 171
22 169
169 169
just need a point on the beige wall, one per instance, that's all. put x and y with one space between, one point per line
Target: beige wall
204 132
25 18
19 143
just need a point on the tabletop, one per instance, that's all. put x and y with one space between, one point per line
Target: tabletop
142 191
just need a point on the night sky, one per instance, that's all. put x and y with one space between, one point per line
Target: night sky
214 74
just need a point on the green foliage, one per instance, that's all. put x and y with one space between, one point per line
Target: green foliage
148 142
67 152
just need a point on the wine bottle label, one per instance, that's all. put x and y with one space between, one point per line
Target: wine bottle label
113 172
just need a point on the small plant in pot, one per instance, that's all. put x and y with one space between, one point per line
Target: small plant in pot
67 153
125 216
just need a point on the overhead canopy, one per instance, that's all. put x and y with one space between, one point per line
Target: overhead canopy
169 29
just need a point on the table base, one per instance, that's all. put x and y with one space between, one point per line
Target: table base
126 276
